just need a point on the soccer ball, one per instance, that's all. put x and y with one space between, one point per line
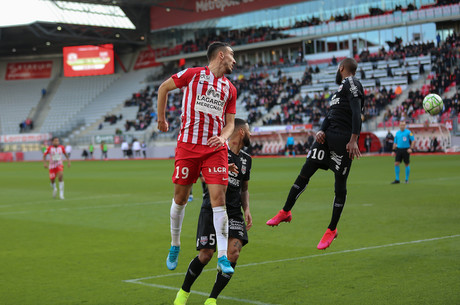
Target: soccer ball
432 103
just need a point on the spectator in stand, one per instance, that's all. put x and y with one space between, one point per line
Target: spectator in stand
91 150
389 72
363 74
367 143
84 154
389 140
125 148
433 144
421 68
104 150
29 124
411 7
136 146
68 149
334 61
144 149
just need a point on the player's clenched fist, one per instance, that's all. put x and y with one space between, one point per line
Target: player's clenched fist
163 126
320 137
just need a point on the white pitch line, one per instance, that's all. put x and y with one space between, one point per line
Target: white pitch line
306 257
55 200
200 293
86 208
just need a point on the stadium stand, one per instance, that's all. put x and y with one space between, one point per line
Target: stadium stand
108 102
71 97
17 100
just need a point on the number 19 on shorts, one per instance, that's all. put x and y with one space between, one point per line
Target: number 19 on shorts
181 173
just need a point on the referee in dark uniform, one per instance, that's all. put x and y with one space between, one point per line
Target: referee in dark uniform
335 147
237 203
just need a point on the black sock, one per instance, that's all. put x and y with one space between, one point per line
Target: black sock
297 188
339 202
340 189
308 170
194 270
222 280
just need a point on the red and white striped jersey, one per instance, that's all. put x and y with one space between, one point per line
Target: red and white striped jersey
205 102
56 156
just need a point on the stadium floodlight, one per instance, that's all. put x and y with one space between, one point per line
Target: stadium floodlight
23 12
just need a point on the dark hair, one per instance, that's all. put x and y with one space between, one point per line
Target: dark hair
239 123
350 65
52 139
215 47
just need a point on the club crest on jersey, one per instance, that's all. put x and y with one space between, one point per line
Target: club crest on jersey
243 169
203 240
225 90
205 77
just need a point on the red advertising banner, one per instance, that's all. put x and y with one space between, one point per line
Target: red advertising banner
165 15
146 59
28 70
88 60
22 138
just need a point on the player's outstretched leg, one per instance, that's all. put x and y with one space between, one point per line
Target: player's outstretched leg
222 279
220 219
339 202
176 216
297 189
194 270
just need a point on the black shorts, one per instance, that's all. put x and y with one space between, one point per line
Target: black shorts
332 154
402 154
206 235
290 147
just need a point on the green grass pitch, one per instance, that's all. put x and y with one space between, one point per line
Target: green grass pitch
397 244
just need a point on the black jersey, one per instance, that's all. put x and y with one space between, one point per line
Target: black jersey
235 182
339 117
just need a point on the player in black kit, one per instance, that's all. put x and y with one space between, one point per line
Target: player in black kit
335 147
237 198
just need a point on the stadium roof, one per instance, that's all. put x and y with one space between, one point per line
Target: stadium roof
14 14
33 27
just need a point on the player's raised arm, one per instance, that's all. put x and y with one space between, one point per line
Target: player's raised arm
245 204
165 87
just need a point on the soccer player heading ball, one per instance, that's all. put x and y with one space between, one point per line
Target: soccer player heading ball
335 147
237 198
207 120
56 167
